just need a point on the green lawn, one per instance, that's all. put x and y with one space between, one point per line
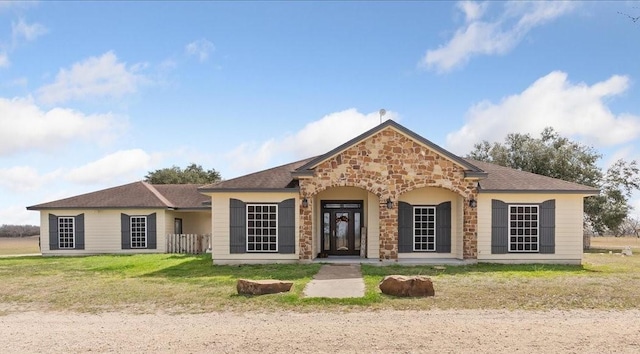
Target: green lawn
190 284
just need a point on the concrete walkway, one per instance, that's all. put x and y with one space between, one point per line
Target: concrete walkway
336 281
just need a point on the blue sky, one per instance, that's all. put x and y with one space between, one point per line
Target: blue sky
96 94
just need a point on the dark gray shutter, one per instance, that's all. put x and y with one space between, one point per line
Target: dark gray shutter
499 226
548 226
53 232
79 225
237 226
405 227
152 234
287 226
443 227
125 231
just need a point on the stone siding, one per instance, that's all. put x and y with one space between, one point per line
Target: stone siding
388 164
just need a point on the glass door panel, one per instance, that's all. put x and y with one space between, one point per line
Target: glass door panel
341 231
326 232
177 226
356 231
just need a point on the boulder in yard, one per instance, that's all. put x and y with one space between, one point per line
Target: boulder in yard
407 286
261 287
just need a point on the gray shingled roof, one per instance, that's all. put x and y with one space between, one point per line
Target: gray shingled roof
276 178
134 195
499 179
505 179
183 196
493 178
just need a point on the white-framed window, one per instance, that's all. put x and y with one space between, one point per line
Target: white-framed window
262 228
424 228
138 225
66 232
524 222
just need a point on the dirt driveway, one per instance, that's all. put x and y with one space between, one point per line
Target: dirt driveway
351 332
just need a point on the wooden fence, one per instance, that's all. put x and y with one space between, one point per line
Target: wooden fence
188 243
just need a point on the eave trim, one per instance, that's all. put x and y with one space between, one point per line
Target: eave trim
252 190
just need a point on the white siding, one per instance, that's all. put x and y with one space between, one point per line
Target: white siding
373 226
220 228
568 233
102 231
193 222
435 196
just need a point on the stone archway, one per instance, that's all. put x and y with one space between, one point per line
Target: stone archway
388 164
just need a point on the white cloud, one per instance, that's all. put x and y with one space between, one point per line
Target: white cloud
497 36
18 215
251 156
29 32
26 127
102 76
315 138
18 82
24 178
572 109
200 48
4 60
124 164
472 10
624 153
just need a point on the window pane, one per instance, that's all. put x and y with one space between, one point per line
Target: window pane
264 226
523 224
138 229
424 228
66 232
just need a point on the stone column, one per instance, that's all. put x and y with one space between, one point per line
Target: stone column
305 228
388 230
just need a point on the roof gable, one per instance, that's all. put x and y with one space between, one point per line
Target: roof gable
470 169
133 195
183 196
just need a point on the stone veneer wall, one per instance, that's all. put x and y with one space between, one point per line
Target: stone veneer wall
388 164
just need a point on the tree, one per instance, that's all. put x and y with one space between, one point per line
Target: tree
630 227
558 157
609 210
192 174
19 230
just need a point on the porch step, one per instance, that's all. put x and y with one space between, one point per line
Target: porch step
336 281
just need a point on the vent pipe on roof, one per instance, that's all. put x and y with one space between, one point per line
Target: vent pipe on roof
382 113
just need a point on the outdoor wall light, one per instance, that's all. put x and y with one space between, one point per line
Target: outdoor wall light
473 203
305 202
389 203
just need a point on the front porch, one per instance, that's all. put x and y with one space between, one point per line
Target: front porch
346 224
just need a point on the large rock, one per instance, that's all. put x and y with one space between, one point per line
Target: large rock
413 286
261 287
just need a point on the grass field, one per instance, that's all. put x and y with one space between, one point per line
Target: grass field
180 283
615 243
19 245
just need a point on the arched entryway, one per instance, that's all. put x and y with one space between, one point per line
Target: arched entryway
345 222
